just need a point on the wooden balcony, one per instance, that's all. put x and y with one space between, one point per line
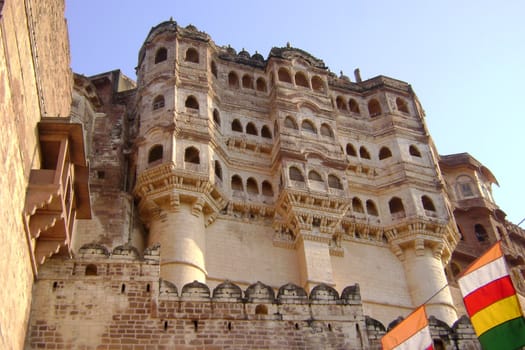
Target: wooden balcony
58 192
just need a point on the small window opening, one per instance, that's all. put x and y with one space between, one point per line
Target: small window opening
158 102
295 174
290 123
216 117
155 153
233 80
334 182
414 151
371 208
357 205
261 310
350 150
148 288
481 233
267 189
192 55
374 108
251 186
340 103
296 326
427 203
317 84
236 125
354 107
191 155
284 75
191 102
314 176
300 80
236 183
330 327
213 69
265 132
55 285
247 82
161 55
401 105
229 326
123 288
308 127
91 270
165 325
101 174
396 206
384 153
326 130
251 129
363 153
261 85
195 325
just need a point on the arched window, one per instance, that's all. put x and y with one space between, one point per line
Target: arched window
307 125
295 174
91 270
334 182
427 203
233 80
237 183
350 150
396 206
216 117
155 153
267 189
161 55
314 176
213 68
465 186
384 153
251 129
265 132
357 205
192 55
414 151
354 107
301 80
218 169
236 125
191 102
284 75
290 123
251 186
317 84
191 155
247 82
401 105
481 233
374 108
158 102
326 130
371 208
363 153
261 85
340 103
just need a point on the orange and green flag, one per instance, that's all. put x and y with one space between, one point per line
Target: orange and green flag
412 333
491 302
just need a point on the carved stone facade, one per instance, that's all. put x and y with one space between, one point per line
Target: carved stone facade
234 201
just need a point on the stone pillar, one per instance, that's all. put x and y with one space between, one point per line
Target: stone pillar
315 264
182 244
425 276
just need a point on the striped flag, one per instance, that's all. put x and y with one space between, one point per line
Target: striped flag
491 302
410 334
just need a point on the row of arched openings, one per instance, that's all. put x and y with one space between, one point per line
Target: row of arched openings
247 82
252 186
308 126
383 153
374 107
191 103
301 79
296 174
251 129
191 55
156 153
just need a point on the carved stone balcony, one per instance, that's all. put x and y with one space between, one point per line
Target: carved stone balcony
58 193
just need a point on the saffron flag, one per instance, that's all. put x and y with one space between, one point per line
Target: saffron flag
410 334
491 302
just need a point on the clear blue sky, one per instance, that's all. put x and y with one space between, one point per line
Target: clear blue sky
464 59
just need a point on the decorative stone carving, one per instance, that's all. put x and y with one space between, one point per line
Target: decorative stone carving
195 291
92 250
351 294
259 293
324 294
227 291
167 289
291 294
126 251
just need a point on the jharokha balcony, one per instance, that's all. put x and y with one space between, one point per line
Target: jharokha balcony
58 192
